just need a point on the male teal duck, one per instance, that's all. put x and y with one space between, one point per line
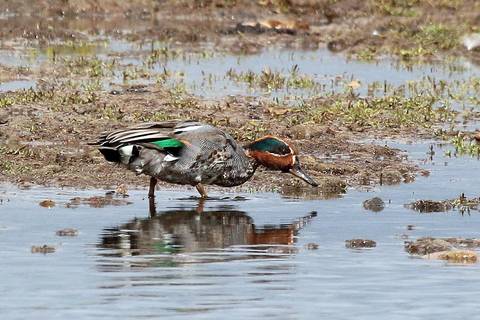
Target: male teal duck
196 154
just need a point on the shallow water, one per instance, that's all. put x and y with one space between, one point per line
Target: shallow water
17 85
242 256
206 73
332 71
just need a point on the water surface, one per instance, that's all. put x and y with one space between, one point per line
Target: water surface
245 256
206 73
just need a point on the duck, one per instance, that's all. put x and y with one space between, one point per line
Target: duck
193 153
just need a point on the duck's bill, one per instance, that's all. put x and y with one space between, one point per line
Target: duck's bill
298 172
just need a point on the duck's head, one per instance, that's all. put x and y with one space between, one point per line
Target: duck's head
276 154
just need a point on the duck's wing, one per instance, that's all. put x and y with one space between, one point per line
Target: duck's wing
162 136
186 152
145 132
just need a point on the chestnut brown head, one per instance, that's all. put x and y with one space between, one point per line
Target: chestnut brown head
276 154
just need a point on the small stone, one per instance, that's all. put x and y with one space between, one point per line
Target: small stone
360 243
311 246
68 232
47 203
43 249
375 204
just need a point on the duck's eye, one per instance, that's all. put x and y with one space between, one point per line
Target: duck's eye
282 149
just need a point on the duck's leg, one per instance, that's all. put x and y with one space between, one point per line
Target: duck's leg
151 191
201 190
152 208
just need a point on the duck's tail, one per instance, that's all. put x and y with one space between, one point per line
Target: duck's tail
124 145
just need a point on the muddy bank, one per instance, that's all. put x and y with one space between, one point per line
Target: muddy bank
411 30
45 135
83 82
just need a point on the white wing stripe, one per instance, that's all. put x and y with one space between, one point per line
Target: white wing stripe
129 135
146 137
169 158
189 128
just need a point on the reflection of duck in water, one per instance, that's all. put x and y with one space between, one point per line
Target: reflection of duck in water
176 231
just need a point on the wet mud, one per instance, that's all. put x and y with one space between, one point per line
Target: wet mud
412 30
67 160
82 80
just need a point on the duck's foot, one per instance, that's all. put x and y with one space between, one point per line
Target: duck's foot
202 191
153 184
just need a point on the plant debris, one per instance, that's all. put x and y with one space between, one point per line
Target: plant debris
311 246
43 249
427 206
462 204
360 243
68 232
